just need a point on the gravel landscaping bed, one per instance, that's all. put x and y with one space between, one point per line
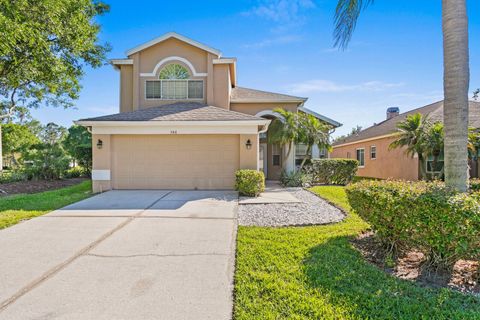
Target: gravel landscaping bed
312 210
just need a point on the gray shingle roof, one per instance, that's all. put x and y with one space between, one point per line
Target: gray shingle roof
434 110
240 94
181 111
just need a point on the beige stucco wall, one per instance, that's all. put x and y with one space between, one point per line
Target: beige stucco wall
388 164
254 108
101 160
248 157
172 47
217 82
222 85
126 88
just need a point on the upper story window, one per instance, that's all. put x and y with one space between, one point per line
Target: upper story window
174 84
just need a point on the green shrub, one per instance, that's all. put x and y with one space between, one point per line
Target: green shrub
12 176
332 171
46 161
249 182
295 179
442 223
77 172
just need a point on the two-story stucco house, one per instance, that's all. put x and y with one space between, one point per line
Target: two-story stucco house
184 123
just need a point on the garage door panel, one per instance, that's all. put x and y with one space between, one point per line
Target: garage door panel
174 161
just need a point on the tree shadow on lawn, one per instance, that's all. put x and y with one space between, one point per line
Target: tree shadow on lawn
337 270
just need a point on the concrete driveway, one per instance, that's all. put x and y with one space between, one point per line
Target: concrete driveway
123 255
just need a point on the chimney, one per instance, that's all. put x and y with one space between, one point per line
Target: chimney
392 112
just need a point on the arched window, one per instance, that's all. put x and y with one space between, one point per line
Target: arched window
174 84
174 72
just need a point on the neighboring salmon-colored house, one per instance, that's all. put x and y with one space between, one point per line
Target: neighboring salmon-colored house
371 146
184 123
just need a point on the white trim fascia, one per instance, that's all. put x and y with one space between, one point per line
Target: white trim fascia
266 101
364 140
175 130
173 58
334 123
153 123
117 62
224 61
176 36
121 61
175 127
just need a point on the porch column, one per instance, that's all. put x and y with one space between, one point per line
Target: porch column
290 161
315 152
101 166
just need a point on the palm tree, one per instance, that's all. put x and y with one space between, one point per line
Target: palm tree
432 143
410 135
455 79
283 130
473 149
312 132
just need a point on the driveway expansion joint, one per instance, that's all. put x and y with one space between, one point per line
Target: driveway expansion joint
156 255
56 269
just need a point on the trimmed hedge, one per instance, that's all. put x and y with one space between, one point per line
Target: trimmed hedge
249 182
332 171
442 223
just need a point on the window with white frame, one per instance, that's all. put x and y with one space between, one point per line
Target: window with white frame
301 153
174 84
276 152
373 152
435 166
361 157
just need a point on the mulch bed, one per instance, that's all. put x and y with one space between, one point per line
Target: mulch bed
411 266
10 188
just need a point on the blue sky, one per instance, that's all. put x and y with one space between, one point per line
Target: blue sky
394 58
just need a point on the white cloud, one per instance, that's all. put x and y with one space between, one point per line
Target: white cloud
320 85
274 41
283 11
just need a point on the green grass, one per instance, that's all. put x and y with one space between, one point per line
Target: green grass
314 273
16 208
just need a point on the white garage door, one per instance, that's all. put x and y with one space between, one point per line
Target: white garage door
174 161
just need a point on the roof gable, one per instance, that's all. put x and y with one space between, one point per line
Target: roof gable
180 111
177 36
242 95
388 127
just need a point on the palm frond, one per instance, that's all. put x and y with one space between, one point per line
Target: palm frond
346 17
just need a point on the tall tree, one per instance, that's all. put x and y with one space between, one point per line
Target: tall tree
456 78
17 139
312 132
284 130
44 48
78 145
410 134
432 143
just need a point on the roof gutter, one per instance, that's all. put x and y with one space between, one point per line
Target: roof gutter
192 123
364 140
334 123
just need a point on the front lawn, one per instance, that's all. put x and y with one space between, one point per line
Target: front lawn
14 209
314 273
